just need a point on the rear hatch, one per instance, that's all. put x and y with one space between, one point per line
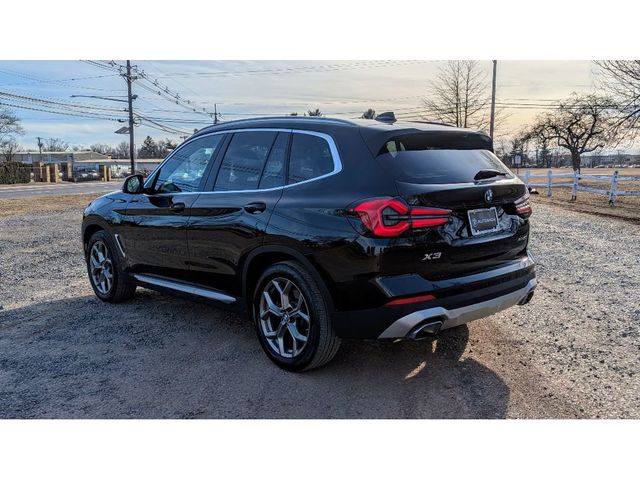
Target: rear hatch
486 225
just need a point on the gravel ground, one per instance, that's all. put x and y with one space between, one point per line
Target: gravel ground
573 352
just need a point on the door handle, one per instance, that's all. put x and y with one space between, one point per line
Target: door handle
177 207
255 207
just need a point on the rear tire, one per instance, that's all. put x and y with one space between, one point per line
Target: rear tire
291 317
105 270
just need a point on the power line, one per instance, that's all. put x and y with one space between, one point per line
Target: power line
168 96
178 82
104 66
162 90
53 82
302 69
131 73
161 126
76 114
49 101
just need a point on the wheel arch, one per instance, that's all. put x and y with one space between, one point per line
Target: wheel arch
262 257
90 226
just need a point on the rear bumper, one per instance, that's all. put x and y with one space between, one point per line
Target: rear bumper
457 301
432 320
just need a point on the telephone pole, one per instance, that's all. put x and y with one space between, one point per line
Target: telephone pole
130 100
493 100
215 113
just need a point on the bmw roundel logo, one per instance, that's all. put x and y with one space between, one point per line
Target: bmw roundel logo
488 196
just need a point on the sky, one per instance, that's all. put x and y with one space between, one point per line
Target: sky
251 88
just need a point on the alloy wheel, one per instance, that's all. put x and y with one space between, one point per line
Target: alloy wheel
101 267
284 317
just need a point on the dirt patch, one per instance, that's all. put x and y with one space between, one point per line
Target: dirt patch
20 206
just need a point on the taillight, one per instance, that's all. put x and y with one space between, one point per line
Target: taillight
389 217
523 205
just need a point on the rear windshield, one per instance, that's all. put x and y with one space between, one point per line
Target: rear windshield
435 165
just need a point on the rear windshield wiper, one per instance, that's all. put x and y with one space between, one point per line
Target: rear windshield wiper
482 174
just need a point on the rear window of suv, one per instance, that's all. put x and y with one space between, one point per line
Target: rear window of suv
437 165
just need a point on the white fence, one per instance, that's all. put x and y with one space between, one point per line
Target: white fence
613 192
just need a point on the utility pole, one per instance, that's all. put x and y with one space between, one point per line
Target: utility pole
130 100
493 100
40 146
215 113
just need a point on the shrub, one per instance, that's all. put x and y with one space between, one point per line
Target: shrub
15 172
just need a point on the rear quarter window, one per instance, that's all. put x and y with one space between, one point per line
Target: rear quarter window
310 157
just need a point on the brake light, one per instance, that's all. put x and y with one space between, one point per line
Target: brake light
389 217
523 205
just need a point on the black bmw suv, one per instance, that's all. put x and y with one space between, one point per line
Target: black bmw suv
322 229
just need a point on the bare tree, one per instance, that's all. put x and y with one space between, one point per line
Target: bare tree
460 96
102 148
369 113
122 150
501 150
55 145
519 146
581 124
620 79
9 124
315 113
8 148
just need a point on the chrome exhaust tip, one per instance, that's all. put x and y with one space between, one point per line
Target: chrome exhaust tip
425 330
526 299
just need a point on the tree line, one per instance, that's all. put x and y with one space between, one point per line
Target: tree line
150 148
9 146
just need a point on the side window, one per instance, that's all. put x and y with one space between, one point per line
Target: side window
273 173
310 157
184 170
244 161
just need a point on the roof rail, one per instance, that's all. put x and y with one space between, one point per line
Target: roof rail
288 117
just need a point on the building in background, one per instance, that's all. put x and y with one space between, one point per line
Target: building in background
85 164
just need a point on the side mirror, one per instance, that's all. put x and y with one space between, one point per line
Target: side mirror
133 184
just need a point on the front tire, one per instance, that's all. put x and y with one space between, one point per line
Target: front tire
292 320
104 267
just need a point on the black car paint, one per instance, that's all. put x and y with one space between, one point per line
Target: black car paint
214 239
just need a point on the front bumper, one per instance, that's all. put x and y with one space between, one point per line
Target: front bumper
457 301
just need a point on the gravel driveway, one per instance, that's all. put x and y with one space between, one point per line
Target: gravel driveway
574 351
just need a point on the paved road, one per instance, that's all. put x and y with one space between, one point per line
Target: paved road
572 352
34 189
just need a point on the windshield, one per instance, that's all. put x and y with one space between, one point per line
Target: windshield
438 165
